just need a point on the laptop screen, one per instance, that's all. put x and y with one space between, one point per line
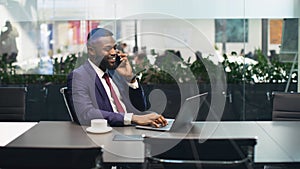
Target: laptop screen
188 113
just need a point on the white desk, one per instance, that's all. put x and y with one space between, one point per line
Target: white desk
11 130
278 142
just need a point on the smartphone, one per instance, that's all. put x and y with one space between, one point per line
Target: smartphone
118 60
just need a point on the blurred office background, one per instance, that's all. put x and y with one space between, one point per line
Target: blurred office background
255 41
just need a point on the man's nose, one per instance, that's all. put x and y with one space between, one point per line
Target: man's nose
113 51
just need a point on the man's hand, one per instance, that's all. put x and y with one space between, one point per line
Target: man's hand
125 68
152 119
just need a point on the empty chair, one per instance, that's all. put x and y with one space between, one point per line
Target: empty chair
165 153
12 103
286 106
69 105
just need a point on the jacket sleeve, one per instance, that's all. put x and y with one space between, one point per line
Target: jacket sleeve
137 98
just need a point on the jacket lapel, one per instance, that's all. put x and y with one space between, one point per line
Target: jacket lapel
100 93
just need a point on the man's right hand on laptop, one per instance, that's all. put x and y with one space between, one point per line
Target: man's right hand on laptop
153 119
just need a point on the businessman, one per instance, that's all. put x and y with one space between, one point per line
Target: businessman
104 86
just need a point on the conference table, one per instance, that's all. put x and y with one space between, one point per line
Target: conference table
277 141
46 145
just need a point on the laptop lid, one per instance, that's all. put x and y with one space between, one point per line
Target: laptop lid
187 114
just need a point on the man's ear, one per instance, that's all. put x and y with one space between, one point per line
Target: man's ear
91 51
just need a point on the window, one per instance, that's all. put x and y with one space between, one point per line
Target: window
231 30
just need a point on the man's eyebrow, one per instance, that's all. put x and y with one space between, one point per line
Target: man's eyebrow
109 46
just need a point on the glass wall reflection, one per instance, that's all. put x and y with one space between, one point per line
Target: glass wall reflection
257 54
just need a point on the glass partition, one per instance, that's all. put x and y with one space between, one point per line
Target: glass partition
240 53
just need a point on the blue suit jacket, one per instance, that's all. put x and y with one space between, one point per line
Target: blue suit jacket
89 98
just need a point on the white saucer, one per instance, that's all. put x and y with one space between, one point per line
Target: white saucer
98 131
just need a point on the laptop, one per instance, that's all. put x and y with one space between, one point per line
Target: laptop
187 114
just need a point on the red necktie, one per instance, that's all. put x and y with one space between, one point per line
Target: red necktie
113 94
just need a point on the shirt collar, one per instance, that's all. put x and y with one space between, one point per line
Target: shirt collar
99 72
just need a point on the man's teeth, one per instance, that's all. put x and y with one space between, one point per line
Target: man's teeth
112 58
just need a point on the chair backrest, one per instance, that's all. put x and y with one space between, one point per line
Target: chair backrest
12 103
69 104
195 153
286 106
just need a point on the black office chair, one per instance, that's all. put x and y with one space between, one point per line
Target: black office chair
201 154
286 106
12 103
69 105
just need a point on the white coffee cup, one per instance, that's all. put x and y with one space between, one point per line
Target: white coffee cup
99 123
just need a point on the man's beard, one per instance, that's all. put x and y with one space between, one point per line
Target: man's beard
104 64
